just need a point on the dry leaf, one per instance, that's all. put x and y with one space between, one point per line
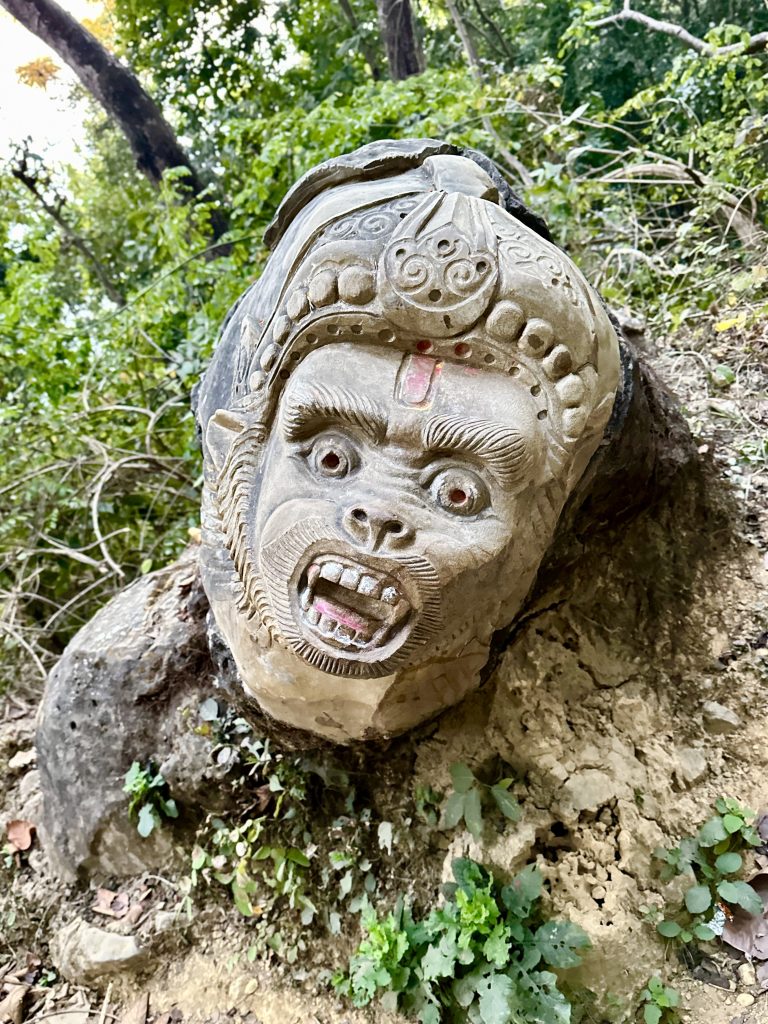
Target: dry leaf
12 1005
749 932
20 834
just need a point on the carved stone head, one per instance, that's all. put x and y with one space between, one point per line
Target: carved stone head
393 420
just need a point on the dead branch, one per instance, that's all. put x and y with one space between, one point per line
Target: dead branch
754 44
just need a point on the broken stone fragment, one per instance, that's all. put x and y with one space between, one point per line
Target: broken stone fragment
83 953
691 766
718 719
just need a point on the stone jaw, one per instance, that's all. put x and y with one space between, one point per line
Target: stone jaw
447 276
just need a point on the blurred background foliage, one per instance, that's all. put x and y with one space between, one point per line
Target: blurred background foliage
647 158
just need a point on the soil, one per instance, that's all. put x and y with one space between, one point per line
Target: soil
596 708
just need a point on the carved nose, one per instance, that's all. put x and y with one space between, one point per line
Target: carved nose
374 529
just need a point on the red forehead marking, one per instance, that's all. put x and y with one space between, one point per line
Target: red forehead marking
418 380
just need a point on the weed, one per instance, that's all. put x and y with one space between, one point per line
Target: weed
149 801
713 857
659 1003
480 956
470 794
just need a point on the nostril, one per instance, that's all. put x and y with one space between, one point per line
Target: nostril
360 515
394 527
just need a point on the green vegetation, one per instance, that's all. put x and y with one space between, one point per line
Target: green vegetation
148 801
481 956
470 794
660 1003
713 857
646 157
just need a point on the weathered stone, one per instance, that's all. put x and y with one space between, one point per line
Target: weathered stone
83 953
117 696
381 504
691 766
718 719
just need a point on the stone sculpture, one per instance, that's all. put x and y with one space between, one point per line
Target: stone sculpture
393 420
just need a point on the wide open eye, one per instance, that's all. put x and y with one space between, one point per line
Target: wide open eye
332 456
459 491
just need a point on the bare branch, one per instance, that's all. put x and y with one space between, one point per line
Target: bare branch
668 28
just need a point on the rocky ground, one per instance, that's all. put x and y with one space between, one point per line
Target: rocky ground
631 698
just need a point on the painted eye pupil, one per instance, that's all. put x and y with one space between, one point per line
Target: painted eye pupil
330 461
457 496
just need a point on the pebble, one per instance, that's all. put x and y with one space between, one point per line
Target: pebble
718 719
745 999
747 975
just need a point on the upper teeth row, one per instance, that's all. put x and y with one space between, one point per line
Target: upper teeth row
353 579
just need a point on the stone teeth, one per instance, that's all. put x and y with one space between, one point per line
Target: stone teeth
362 639
327 625
331 571
350 578
306 598
314 616
345 633
368 586
312 573
390 595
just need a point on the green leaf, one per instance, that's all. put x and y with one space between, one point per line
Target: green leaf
732 823
148 819
298 857
473 813
430 1014
651 1013
469 874
669 929
454 810
712 832
198 858
462 777
728 863
697 899
741 894
558 942
496 998
703 932
496 946
507 804
723 375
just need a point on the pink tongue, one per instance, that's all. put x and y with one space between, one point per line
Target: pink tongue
341 614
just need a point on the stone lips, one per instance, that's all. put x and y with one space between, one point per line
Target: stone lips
344 614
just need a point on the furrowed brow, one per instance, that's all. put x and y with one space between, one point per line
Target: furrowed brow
314 406
503 448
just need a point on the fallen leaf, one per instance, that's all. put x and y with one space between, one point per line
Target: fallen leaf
263 798
135 914
111 904
12 1005
749 932
20 834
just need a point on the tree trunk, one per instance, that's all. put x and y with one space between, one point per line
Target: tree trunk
152 140
404 53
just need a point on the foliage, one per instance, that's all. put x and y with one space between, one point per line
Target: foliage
659 1003
148 801
469 795
714 857
481 956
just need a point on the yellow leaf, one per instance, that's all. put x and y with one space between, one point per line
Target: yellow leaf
38 72
735 321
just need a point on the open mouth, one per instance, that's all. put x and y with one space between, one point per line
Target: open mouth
350 606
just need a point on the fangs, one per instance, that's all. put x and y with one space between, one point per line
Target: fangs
352 606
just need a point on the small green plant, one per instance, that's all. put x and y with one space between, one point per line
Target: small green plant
714 856
482 956
427 801
659 1003
255 871
470 794
149 801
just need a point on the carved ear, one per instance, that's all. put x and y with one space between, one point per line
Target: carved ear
223 428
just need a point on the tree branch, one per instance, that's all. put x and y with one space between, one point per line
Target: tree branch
668 28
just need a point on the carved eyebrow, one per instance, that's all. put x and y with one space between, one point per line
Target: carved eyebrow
315 405
503 448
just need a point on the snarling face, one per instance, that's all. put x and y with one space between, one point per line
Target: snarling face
389 485
393 420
